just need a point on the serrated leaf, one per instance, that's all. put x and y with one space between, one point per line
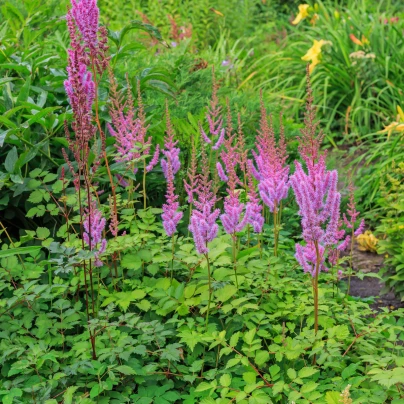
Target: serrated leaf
126 370
333 397
307 372
225 380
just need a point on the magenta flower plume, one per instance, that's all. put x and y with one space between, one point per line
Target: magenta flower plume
272 171
317 196
85 32
203 224
129 130
170 215
86 15
155 159
214 118
192 185
171 152
353 214
253 207
94 225
232 219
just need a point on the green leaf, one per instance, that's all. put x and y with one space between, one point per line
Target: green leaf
291 374
95 390
225 380
68 396
278 387
274 370
203 387
42 233
333 397
307 372
11 160
234 339
261 357
249 336
232 362
126 370
250 377
349 371
309 386
226 293
19 250
23 95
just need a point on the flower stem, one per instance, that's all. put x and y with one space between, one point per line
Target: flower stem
350 261
172 256
144 185
210 290
234 250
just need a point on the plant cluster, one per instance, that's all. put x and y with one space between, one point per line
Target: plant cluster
232 289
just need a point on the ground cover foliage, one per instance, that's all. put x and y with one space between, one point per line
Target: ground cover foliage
173 226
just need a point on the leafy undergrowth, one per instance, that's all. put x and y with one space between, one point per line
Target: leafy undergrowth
152 344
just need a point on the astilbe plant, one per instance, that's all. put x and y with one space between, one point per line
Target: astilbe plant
234 218
171 216
170 151
272 172
130 132
318 200
203 224
214 118
86 58
191 184
350 219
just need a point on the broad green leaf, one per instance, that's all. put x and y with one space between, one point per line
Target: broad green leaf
19 250
333 397
11 160
225 380
307 372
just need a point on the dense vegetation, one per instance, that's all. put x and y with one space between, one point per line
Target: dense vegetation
183 184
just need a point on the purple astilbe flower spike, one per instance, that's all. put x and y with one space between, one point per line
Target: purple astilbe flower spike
272 171
171 152
192 185
232 219
170 215
219 141
353 214
253 208
84 30
317 196
86 15
94 225
153 162
221 172
129 130
203 224
204 135
214 118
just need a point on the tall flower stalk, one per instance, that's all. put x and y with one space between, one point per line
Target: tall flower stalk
234 218
272 172
170 215
318 199
350 219
130 132
203 224
87 61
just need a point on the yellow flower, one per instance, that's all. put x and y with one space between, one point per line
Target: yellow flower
313 54
303 13
367 241
395 126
